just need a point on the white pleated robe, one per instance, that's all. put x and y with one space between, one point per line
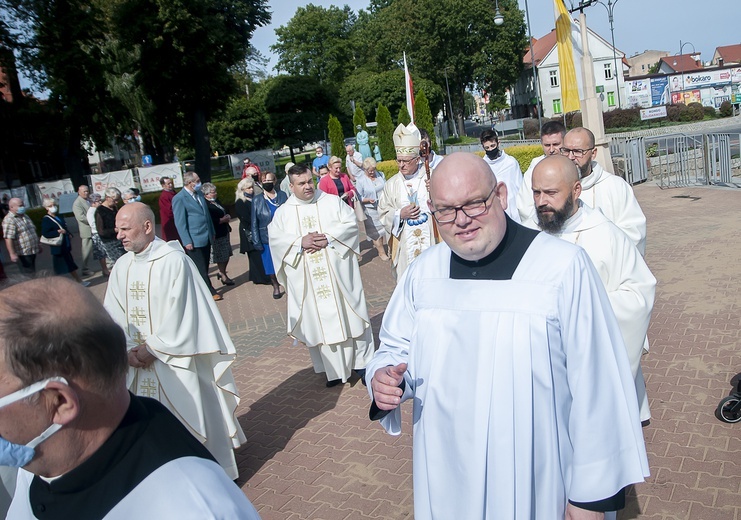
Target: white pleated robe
628 281
159 298
326 301
522 390
507 170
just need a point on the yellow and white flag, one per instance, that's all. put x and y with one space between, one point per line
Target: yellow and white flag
567 70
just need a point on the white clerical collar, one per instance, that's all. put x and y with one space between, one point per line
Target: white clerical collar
573 222
143 255
306 202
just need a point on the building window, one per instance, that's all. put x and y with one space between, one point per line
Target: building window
556 106
608 70
610 99
554 78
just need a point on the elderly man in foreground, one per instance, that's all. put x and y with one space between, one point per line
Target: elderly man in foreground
88 448
180 352
505 340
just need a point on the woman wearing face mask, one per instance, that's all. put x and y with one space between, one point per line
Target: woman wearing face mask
221 249
243 207
263 209
52 226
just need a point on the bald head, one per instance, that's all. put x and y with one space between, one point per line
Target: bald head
585 135
556 188
464 180
14 204
135 226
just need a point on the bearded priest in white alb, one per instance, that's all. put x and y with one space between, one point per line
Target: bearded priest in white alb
403 204
629 283
180 352
315 247
603 190
503 337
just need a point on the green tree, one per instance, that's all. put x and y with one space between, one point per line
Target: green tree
368 89
423 118
181 57
358 118
316 43
297 107
453 37
242 126
60 46
385 130
404 117
336 138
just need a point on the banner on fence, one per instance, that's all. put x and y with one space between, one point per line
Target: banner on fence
263 159
121 179
16 193
149 178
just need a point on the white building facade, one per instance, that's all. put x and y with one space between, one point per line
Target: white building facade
609 78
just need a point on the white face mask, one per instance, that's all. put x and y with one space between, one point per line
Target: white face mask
53 210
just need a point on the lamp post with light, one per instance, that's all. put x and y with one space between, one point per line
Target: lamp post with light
610 6
681 48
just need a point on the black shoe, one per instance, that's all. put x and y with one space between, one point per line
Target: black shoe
278 296
361 375
334 382
225 280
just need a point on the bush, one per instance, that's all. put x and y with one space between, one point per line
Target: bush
674 112
336 138
389 168
726 109
709 112
524 154
622 118
696 112
385 131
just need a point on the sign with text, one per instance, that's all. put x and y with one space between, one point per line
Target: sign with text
263 159
121 179
653 113
149 178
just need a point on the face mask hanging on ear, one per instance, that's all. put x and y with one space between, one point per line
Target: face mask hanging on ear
18 455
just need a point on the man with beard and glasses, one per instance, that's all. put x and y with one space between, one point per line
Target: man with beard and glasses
627 279
603 190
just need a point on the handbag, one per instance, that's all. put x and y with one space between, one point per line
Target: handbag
359 211
56 241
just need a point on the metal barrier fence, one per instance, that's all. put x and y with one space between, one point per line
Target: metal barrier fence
674 160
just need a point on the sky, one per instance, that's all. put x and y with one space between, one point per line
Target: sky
639 24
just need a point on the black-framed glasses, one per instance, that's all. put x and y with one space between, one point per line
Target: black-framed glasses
576 152
470 209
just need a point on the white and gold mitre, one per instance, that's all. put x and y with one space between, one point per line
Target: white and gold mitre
407 139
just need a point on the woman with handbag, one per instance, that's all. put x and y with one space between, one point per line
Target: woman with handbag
243 209
54 233
221 249
263 209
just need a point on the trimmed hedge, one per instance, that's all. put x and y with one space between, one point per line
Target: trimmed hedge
523 153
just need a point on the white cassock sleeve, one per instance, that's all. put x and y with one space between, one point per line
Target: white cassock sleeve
394 345
607 439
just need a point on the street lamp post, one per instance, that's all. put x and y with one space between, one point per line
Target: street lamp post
532 59
681 47
610 6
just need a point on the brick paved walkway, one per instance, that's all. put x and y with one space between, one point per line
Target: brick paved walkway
312 453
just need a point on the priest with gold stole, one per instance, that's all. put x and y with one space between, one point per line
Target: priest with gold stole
180 352
315 246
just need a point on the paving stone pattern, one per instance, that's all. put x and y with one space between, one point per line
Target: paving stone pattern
311 452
